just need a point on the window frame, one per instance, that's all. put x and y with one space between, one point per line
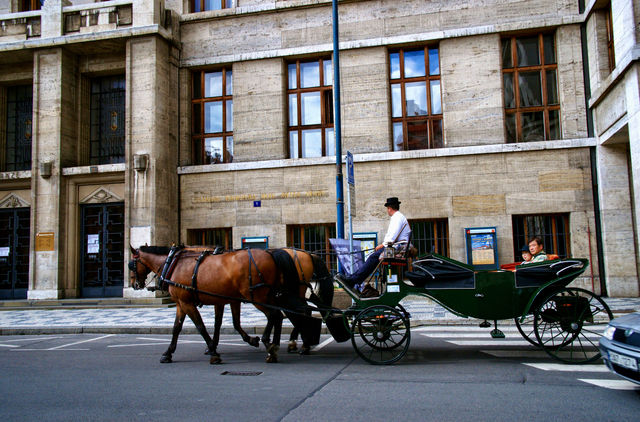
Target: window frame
211 236
439 228
611 54
224 4
199 135
296 239
10 162
516 70
326 107
558 239
430 118
97 157
29 5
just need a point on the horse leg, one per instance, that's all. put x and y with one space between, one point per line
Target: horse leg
177 327
219 313
266 334
195 316
235 313
272 350
293 345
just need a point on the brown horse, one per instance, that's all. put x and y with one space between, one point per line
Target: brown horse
266 279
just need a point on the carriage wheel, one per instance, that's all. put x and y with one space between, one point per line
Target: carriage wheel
526 329
380 334
569 323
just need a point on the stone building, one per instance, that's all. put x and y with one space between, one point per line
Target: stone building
212 122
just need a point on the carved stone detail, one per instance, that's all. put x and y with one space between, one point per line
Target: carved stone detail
13 201
101 196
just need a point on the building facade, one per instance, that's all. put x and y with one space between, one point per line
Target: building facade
212 122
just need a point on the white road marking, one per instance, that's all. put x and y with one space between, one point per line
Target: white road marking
9 345
612 384
321 345
27 339
454 328
567 368
516 353
49 350
80 342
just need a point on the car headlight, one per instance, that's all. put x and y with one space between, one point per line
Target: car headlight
609 331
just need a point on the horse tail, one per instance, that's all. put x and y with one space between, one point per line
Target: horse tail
324 282
288 269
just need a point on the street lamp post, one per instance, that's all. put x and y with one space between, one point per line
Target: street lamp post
336 124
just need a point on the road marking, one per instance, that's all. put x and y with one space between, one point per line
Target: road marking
179 342
454 328
567 368
49 350
611 384
26 339
321 345
516 353
490 342
80 342
9 345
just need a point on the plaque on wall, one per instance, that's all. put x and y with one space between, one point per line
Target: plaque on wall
44 241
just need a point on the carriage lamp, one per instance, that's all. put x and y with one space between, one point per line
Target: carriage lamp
45 169
140 162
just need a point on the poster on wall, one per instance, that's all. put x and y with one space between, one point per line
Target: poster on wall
93 243
4 251
482 247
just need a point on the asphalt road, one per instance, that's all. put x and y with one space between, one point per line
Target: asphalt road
448 374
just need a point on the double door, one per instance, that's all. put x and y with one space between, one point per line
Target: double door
14 253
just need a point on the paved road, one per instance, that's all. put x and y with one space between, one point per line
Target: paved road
449 373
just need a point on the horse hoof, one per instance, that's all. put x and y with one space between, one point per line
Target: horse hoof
292 347
305 350
165 359
254 341
207 351
215 359
272 359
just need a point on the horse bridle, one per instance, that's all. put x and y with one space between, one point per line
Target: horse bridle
133 267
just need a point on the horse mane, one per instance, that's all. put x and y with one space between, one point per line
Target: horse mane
155 250
323 279
290 274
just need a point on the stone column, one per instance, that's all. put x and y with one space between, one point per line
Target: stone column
146 12
151 183
632 91
52 18
53 111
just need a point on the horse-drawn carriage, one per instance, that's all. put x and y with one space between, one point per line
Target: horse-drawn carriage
564 321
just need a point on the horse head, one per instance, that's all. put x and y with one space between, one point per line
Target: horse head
139 271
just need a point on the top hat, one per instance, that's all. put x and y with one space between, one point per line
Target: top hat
392 201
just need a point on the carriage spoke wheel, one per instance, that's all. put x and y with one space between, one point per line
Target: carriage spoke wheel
569 323
526 329
381 334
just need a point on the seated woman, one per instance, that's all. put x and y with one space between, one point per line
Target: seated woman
536 248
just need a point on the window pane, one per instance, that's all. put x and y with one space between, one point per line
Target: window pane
197 94
212 4
196 118
552 88
229 88
213 150
330 141
510 124
533 126
398 140
554 124
436 104
197 151
309 74
416 98
292 76
509 98
213 84
507 63
417 135
434 62
293 144
414 64
213 117
327 70
312 143
396 101
528 54
436 139
229 121
229 149
530 89
310 108
394 64
549 50
328 105
293 110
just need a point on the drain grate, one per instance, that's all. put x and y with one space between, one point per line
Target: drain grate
242 373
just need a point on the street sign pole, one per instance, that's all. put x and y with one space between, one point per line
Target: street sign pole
351 200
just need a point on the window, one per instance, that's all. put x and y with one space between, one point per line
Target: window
211 237
28 5
19 128
203 5
430 236
212 117
610 46
529 69
107 120
310 97
416 100
314 238
553 229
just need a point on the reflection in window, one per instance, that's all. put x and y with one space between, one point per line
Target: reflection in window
416 100
204 5
532 108
212 117
310 109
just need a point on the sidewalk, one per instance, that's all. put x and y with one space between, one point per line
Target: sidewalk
159 320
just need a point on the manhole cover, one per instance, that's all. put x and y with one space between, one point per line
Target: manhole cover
242 373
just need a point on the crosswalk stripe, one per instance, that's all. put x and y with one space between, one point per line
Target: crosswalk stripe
611 384
516 353
567 368
457 328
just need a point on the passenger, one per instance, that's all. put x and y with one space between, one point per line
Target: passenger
398 232
526 255
536 248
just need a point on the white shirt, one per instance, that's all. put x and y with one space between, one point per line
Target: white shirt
398 230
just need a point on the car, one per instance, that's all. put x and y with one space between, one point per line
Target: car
620 346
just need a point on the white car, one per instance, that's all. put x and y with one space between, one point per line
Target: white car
620 346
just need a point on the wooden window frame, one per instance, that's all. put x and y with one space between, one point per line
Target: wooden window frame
199 135
560 241
431 118
96 157
439 228
296 239
208 237
11 163
224 4
610 45
545 108
326 107
29 5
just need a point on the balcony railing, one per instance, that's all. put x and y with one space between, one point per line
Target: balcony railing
97 16
20 26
